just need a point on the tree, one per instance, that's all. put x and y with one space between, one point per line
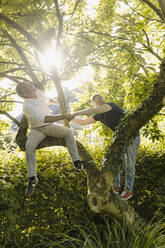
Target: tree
113 43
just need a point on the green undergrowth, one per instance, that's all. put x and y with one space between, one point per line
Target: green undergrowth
59 202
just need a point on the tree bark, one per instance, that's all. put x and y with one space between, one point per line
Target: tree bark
101 198
162 6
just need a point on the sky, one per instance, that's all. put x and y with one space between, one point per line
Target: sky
84 75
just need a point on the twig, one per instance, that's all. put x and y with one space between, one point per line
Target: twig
11 101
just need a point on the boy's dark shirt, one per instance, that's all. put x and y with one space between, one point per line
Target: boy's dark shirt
110 118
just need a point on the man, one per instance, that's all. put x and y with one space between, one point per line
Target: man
35 108
109 114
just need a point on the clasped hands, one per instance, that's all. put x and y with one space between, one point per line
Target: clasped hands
69 116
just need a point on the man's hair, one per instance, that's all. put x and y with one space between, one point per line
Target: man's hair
98 98
21 88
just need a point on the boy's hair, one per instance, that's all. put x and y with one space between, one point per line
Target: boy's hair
21 88
98 97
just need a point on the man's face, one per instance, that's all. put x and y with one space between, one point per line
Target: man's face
29 91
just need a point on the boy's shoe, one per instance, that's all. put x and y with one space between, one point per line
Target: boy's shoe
31 185
126 195
116 190
78 165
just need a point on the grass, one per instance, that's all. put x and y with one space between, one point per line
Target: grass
109 234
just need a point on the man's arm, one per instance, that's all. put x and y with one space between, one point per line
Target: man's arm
97 110
32 114
54 118
83 122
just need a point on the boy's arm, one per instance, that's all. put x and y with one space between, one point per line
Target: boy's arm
90 111
83 122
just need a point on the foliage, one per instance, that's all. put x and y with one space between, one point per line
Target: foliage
149 180
7 141
125 49
123 42
110 233
59 201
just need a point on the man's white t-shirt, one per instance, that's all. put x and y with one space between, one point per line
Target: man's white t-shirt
35 109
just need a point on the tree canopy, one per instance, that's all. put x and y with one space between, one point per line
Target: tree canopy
123 41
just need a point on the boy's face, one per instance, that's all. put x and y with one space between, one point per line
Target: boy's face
96 102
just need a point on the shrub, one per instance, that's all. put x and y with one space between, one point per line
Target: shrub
149 184
59 201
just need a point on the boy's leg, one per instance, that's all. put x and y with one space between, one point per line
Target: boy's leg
117 180
130 163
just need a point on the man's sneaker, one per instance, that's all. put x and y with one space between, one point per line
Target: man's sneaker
31 185
116 190
78 165
125 195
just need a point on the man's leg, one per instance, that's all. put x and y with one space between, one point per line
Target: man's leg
66 133
33 140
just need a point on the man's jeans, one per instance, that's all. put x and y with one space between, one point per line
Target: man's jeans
130 157
36 135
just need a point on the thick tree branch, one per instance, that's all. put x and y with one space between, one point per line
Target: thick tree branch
154 8
101 198
136 119
10 117
23 57
61 99
60 27
162 6
34 42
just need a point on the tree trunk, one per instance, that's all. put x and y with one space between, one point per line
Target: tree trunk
99 182
60 93
100 195
101 198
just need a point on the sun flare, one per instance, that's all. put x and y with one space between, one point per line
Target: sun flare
51 57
